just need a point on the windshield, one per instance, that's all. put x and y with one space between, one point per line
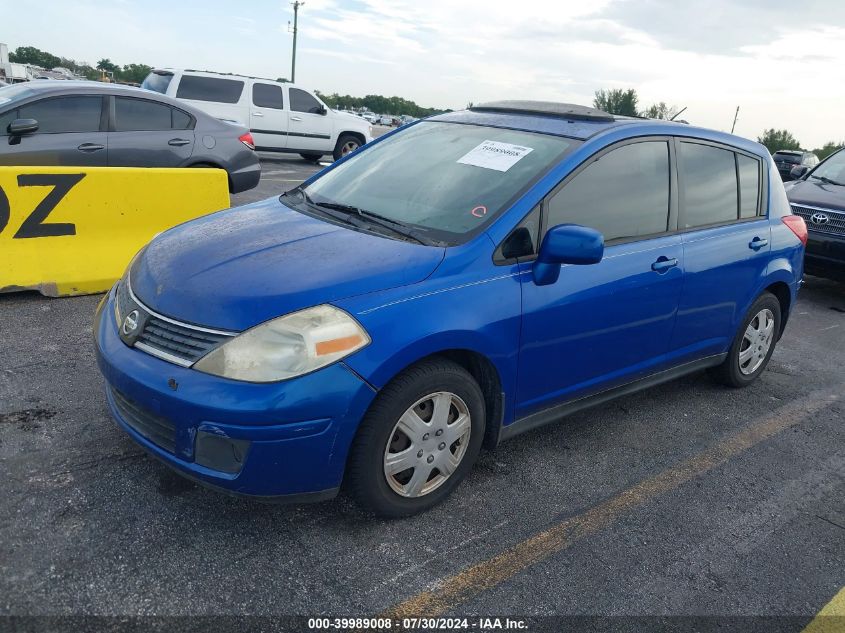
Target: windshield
447 180
832 170
787 158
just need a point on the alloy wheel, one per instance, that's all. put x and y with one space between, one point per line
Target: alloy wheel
756 341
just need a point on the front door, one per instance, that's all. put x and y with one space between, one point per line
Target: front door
268 118
310 128
68 133
605 324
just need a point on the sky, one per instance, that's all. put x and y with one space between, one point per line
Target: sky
782 62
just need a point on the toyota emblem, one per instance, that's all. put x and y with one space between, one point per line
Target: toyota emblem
819 218
130 323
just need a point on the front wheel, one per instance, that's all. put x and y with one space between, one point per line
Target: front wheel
418 441
346 144
753 344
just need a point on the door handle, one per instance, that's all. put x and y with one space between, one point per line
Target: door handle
257 114
756 244
177 142
90 147
663 264
296 118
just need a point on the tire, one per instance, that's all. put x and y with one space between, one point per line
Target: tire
423 387
312 158
742 368
345 144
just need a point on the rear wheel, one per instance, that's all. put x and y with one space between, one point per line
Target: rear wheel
312 158
418 441
346 144
753 344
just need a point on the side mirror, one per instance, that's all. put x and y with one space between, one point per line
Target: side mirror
799 171
566 244
323 110
19 127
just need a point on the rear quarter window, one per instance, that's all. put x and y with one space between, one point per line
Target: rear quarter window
215 89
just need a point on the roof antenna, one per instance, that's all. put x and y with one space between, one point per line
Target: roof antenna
678 113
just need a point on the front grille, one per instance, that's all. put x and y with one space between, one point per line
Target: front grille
160 431
157 335
835 224
185 343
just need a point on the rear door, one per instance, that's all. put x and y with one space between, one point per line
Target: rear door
309 129
268 119
149 133
71 131
221 97
608 323
726 243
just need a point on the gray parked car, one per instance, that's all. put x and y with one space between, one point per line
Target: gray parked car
101 125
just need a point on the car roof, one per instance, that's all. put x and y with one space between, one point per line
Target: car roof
793 152
581 122
214 73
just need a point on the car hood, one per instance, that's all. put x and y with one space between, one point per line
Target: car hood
815 193
237 268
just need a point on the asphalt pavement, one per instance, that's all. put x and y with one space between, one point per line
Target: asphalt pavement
687 499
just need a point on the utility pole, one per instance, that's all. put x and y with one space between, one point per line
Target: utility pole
735 117
296 6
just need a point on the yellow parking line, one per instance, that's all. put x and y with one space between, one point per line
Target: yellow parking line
831 619
470 582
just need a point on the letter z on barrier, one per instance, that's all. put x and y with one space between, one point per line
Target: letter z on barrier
72 230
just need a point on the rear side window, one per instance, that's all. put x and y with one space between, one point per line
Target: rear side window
182 120
708 185
157 82
64 114
623 194
138 114
749 185
210 89
301 101
267 96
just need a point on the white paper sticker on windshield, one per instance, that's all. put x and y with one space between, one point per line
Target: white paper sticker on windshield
494 155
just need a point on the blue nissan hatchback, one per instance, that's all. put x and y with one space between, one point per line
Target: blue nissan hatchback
456 282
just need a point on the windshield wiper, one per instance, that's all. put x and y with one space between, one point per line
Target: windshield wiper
375 218
827 180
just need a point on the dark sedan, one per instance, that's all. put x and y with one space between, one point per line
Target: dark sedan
102 125
819 198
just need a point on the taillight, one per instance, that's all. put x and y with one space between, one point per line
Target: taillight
246 139
797 225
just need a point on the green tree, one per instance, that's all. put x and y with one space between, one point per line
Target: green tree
617 101
660 111
828 148
107 65
133 73
775 140
34 56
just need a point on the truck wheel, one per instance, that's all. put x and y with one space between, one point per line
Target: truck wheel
418 441
346 144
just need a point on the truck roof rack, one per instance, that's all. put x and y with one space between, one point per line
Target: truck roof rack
569 111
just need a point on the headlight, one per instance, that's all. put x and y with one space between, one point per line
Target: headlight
289 346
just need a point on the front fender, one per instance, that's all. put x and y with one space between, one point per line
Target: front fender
480 315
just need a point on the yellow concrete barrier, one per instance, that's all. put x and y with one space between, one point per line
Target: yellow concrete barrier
72 230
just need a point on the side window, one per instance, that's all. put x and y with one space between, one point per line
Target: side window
64 114
132 115
5 119
267 96
623 194
708 187
749 185
182 120
210 89
301 101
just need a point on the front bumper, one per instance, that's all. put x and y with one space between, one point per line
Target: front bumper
825 255
297 433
